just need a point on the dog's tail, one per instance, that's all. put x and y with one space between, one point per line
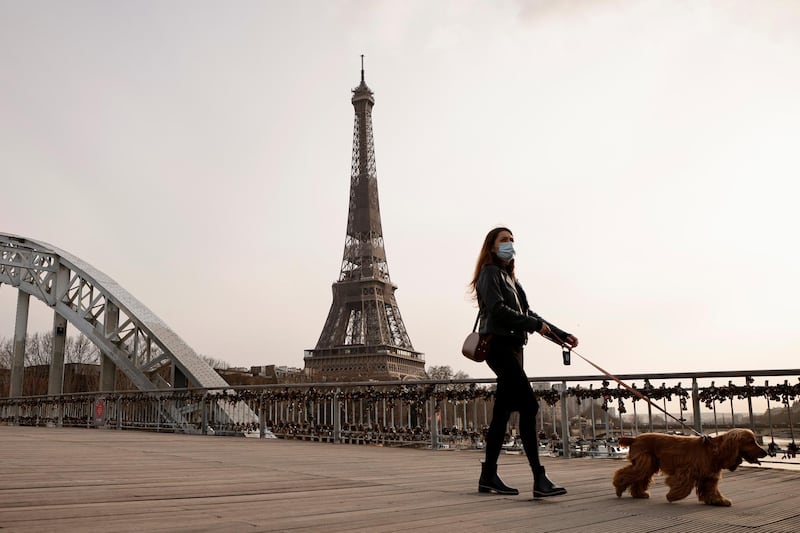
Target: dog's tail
626 441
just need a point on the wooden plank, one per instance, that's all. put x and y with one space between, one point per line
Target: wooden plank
100 480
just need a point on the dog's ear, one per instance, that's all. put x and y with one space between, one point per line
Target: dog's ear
743 437
726 450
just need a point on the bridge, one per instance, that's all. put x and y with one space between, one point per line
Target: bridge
130 336
360 456
69 479
393 456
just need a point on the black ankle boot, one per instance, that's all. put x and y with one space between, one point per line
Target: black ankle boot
491 482
543 487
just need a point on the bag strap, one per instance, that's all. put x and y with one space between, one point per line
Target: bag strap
477 318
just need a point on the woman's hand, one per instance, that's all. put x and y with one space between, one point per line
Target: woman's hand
572 340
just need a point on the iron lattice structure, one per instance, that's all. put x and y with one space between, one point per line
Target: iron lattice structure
128 334
364 336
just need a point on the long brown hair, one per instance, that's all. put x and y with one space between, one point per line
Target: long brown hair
486 257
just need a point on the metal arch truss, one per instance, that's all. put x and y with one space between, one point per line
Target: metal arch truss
123 329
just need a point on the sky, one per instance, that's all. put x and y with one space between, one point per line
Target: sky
644 153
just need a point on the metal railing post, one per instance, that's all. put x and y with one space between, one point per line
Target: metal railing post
564 419
337 417
158 414
698 419
789 413
748 381
262 419
433 425
204 414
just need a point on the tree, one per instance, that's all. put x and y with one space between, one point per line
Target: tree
445 372
81 350
440 372
6 352
216 364
38 349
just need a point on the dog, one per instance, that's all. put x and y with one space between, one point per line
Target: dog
688 462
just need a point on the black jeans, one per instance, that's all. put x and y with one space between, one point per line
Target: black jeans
514 393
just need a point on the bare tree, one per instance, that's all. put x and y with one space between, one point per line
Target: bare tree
81 350
38 349
445 372
216 364
6 352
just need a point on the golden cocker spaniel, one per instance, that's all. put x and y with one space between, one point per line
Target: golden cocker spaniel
688 462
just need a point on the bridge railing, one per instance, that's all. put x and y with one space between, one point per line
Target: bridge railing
439 413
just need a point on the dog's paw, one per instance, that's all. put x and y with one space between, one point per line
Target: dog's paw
719 502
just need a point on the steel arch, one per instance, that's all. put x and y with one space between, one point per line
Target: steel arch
124 329
138 343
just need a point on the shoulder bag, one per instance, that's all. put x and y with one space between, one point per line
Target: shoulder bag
476 346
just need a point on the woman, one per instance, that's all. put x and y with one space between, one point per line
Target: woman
505 314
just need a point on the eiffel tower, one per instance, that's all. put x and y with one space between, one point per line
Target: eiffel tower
364 336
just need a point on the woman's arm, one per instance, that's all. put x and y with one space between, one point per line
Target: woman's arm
556 334
490 291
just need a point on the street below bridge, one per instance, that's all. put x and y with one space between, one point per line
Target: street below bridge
72 479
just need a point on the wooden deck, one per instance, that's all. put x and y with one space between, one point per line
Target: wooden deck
102 480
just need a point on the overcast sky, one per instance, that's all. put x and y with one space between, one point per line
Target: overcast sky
644 153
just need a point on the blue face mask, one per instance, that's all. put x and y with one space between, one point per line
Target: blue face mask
505 251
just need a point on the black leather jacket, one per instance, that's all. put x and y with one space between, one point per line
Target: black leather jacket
504 306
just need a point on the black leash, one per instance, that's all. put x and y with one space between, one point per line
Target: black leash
566 350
